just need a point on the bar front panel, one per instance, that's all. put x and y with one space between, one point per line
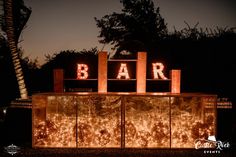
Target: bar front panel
122 120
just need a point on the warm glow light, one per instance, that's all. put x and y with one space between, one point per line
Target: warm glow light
123 93
83 93
82 71
158 70
123 72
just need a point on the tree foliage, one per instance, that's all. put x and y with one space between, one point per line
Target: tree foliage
137 28
21 14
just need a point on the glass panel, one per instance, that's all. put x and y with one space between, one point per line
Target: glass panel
58 130
147 122
99 119
188 122
39 118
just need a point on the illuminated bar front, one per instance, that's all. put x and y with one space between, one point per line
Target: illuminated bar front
116 120
122 120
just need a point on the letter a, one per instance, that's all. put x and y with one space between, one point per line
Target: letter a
123 72
158 71
82 71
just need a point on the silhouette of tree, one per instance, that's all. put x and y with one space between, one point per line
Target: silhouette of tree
138 28
205 56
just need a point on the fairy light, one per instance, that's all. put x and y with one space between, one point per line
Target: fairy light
123 72
149 130
82 71
142 128
60 131
158 70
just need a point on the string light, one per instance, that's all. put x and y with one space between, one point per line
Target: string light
82 71
60 131
153 131
143 128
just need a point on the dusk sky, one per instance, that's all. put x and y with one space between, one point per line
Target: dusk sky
56 25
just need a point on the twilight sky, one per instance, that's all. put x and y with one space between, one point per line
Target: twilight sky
57 25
